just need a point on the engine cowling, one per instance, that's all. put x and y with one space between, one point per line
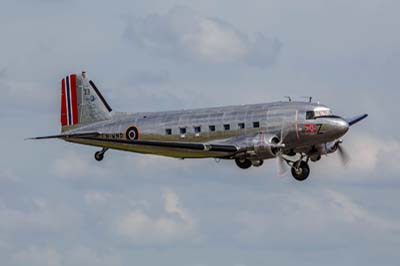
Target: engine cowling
329 147
325 149
264 146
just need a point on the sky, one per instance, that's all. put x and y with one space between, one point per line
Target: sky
58 206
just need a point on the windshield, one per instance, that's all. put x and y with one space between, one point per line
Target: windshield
318 112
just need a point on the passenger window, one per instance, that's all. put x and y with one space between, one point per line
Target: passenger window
197 130
227 127
310 115
168 131
211 128
241 125
256 124
182 130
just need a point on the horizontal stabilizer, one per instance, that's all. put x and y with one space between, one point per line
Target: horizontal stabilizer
356 119
65 136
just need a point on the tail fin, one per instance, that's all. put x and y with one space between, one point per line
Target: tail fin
81 103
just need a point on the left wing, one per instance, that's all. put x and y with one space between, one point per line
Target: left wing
169 144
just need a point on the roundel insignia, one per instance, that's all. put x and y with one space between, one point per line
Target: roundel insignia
132 133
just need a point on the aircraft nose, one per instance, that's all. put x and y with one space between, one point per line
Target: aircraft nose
342 126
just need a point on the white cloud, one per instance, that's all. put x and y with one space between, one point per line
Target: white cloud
41 216
89 256
8 176
51 256
26 95
368 154
97 198
301 214
182 33
37 257
141 228
74 165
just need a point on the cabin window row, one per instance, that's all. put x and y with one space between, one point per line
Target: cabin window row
211 128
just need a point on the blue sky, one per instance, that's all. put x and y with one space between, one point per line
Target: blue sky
60 207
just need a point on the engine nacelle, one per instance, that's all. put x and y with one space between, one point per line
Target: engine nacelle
264 146
329 147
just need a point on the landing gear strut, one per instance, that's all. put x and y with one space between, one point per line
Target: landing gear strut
300 169
99 156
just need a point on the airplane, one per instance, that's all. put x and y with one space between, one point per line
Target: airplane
247 134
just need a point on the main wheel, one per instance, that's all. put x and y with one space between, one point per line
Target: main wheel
301 172
243 163
99 156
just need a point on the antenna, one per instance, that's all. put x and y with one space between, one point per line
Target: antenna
308 97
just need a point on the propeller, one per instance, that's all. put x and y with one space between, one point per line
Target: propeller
281 166
280 161
343 154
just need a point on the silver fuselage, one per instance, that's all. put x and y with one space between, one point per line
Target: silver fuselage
239 125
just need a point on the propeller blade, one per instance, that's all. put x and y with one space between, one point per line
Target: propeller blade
344 156
281 166
284 131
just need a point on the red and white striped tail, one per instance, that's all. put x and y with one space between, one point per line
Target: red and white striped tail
69 101
81 102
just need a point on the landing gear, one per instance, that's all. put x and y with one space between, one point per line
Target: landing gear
243 163
257 163
300 170
99 156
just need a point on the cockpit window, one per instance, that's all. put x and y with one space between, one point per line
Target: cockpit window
310 115
318 112
322 112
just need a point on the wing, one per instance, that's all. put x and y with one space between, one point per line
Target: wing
356 119
225 148
169 144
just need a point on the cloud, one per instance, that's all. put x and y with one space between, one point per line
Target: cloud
8 176
148 77
40 217
141 228
184 34
26 95
37 256
368 154
52 256
73 165
309 215
97 198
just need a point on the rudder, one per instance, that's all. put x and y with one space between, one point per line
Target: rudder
81 102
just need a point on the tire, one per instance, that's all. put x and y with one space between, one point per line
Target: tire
243 163
302 173
99 156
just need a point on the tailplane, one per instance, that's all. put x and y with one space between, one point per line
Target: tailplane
81 103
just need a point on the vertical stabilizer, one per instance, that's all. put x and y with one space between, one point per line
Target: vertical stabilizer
81 102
